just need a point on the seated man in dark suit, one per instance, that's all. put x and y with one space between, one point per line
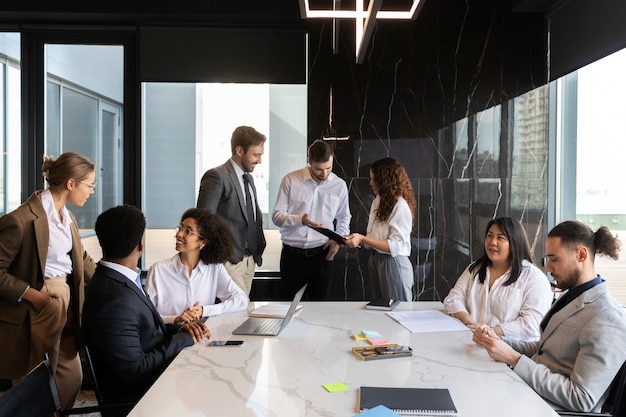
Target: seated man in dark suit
129 343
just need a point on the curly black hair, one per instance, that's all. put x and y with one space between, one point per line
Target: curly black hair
217 237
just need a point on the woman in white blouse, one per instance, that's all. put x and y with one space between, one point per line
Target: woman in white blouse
502 289
185 287
389 231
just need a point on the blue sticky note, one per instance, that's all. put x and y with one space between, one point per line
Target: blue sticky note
378 411
371 334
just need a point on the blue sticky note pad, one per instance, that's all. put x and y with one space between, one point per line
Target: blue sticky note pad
378 411
371 334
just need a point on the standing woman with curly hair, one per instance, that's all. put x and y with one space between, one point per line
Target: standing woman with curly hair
389 231
185 287
43 270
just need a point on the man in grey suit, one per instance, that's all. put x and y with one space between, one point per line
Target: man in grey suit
582 336
228 191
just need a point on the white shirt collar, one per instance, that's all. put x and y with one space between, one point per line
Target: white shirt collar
127 272
48 205
178 264
238 170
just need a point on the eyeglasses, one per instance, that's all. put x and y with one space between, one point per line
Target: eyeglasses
92 186
187 231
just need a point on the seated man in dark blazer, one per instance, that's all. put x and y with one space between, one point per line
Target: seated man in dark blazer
129 343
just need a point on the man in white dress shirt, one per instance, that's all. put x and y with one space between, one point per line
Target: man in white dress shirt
312 196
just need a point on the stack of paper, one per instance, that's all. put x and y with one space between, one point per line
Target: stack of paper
272 310
427 321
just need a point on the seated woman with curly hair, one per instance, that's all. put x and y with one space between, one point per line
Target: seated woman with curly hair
185 287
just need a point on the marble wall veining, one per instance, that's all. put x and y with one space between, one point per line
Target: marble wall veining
461 103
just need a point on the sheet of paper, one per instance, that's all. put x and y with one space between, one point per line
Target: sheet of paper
272 310
427 321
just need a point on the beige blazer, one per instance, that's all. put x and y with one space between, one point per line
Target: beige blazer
23 252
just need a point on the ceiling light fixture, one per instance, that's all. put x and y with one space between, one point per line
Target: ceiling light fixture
364 19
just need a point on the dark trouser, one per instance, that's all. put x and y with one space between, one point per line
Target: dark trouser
305 266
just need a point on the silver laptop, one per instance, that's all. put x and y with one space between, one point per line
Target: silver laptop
264 326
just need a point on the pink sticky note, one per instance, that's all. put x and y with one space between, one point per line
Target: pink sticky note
377 342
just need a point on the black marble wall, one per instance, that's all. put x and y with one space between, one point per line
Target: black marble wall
458 97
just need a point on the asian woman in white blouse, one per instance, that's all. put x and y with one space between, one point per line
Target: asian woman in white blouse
502 289
185 287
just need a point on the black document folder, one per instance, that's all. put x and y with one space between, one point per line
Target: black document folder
409 401
329 234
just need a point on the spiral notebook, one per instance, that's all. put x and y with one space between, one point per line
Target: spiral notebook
409 401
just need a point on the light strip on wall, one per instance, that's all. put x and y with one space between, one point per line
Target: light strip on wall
363 19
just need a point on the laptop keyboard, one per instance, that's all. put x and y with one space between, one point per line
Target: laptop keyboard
269 326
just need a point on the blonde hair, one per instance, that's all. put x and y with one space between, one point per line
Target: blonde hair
69 165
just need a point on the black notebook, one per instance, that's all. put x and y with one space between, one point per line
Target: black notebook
382 304
409 401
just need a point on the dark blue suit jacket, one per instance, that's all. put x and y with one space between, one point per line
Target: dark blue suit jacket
129 343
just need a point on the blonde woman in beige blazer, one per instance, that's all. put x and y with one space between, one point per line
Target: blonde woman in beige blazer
43 270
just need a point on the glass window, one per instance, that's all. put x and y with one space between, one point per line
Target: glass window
186 131
600 146
530 150
10 122
84 107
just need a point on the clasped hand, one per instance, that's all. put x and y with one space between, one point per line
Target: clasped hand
496 348
190 314
198 330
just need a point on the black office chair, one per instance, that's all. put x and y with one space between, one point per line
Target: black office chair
614 406
106 406
34 396
37 395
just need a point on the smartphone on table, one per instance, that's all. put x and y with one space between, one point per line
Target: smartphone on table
226 343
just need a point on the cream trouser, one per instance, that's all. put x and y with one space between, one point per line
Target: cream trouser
49 335
242 272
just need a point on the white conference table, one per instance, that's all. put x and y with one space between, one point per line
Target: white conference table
283 375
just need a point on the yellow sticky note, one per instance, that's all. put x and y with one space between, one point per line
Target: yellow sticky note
336 387
359 336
